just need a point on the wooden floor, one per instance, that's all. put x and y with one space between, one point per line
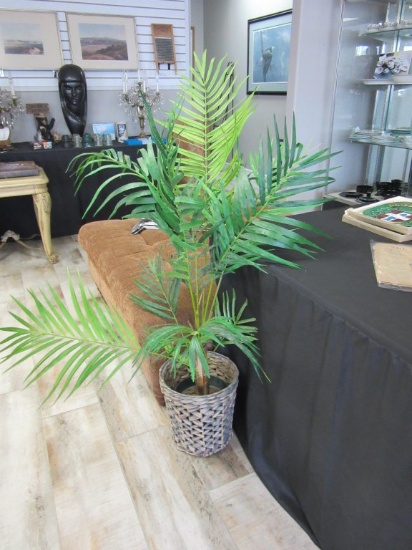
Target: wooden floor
100 470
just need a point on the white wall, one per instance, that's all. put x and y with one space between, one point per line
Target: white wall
225 32
103 86
314 54
196 21
312 69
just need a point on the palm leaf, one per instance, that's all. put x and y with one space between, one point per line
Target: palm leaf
207 120
80 345
159 291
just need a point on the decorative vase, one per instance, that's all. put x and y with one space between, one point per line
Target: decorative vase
201 424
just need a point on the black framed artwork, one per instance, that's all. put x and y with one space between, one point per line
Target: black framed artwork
268 53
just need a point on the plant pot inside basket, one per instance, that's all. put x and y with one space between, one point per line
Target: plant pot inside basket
201 424
188 387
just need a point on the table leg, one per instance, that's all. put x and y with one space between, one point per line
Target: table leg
42 208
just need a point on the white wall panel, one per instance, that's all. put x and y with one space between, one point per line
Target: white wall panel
103 86
144 12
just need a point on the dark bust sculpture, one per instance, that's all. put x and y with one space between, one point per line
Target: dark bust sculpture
73 97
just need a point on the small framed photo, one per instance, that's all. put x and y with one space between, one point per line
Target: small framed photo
268 53
104 128
102 42
121 131
29 41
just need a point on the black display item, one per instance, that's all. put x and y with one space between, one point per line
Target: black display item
350 194
367 199
73 97
388 189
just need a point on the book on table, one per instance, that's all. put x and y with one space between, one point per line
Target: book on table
18 169
390 218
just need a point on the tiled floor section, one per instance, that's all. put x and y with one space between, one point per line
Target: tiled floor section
100 471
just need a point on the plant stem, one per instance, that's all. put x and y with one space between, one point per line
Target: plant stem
202 381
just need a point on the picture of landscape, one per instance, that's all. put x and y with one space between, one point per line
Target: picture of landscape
22 39
29 40
103 42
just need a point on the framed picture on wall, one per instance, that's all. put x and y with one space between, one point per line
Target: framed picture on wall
268 53
29 40
102 42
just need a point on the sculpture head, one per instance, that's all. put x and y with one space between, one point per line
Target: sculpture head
73 97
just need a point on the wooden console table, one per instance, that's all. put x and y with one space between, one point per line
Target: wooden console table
36 186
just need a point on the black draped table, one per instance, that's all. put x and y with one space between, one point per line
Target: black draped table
68 208
331 434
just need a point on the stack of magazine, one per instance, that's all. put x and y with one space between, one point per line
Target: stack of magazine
391 218
20 169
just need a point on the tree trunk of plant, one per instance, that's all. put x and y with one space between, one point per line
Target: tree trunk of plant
201 380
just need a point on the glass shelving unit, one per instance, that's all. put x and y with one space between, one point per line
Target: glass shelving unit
373 112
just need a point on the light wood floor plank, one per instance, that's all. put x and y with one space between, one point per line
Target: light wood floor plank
93 504
255 519
100 470
27 512
224 467
129 405
175 508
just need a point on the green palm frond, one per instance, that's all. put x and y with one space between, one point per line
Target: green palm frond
83 344
159 292
209 119
184 345
255 223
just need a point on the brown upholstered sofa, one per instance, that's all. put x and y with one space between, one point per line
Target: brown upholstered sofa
115 258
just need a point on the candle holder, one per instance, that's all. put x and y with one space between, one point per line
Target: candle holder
11 106
133 104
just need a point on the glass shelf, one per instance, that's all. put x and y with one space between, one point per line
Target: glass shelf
395 144
394 80
389 33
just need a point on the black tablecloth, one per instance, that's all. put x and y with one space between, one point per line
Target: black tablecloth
68 208
331 434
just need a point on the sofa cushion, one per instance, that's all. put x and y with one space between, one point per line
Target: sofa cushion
116 258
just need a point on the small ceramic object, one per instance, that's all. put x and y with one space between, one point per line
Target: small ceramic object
77 140
107 139
98 139
66 140
87 140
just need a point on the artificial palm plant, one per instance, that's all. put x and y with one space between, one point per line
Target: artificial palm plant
219 217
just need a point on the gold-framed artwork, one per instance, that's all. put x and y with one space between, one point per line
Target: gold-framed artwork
29 40
103 42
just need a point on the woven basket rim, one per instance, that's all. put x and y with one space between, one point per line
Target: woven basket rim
211 397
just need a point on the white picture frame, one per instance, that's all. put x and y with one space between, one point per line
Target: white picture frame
121 131
29 41
102 42
104 128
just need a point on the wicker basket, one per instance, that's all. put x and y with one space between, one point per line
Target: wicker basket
202 425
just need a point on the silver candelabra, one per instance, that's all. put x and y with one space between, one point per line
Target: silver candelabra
131 99
11 106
